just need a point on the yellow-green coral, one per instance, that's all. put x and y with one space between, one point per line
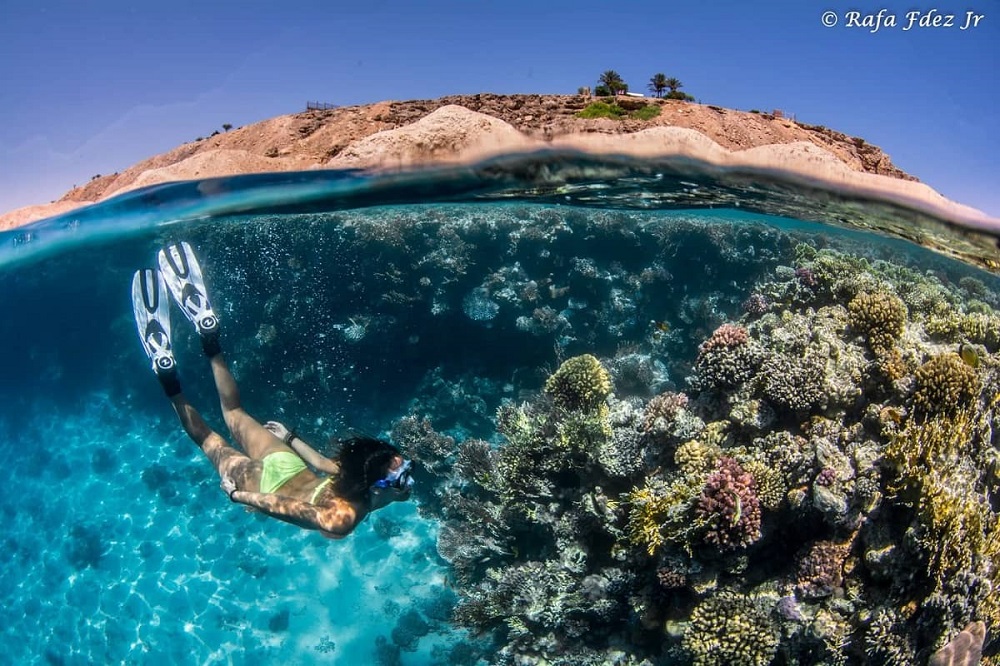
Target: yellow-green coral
695 457
771 488
584 431
960 529
936 471
880 316
944 385
979 328
728 629
661 512
580 383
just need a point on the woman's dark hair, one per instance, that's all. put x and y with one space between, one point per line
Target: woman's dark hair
363 461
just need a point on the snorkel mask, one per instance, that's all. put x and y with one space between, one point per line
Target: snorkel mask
398 479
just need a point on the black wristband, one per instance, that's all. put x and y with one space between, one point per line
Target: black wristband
289 437
231 492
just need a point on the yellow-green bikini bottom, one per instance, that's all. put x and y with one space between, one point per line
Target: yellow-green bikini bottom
279 467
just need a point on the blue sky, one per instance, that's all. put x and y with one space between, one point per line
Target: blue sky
93 87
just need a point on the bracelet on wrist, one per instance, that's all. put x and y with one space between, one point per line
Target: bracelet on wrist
231 493
289 437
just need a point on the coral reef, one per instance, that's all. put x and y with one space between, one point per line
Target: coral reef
944 385
821 569
880 317
727 358
730 629
794 463
729 507
580 383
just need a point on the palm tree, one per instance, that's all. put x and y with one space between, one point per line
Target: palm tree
657 84
673 84
612 81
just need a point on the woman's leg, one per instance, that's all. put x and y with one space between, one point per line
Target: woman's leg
256 440
227 460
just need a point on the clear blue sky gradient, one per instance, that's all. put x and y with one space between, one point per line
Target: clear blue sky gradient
93 87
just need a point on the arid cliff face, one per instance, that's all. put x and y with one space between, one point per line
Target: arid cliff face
405 134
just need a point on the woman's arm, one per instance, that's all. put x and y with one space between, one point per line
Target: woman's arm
336 520
313 458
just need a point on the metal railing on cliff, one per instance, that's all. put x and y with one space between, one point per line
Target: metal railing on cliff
319 106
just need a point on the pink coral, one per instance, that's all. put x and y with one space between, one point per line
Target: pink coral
664 406
670 578
821 570
806 277
730 506
726 336
826 477
756 304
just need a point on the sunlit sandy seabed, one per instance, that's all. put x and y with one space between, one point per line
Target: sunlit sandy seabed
120 547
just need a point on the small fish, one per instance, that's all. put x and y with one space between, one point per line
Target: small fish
661 326
969 355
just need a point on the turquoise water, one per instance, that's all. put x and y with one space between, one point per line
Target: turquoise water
353 303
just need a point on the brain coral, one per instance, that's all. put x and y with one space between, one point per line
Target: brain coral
729 630
944 385
880 316
580 383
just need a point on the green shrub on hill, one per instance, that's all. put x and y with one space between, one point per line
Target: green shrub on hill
602 110
615 112
647 112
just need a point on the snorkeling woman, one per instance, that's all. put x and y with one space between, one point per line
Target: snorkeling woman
272 472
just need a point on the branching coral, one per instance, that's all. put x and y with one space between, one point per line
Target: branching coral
419 439
936 472
880 316
795 385
580 383
729 506
821 569
727 358
661 411
887 640
977 328
729 629
476 462
695 457
585 432
620 455
945 385
661 512
771 488
475 536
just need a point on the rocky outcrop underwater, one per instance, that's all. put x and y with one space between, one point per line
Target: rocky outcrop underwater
670 439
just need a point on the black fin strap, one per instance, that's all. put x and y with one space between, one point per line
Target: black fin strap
170 383
210 344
